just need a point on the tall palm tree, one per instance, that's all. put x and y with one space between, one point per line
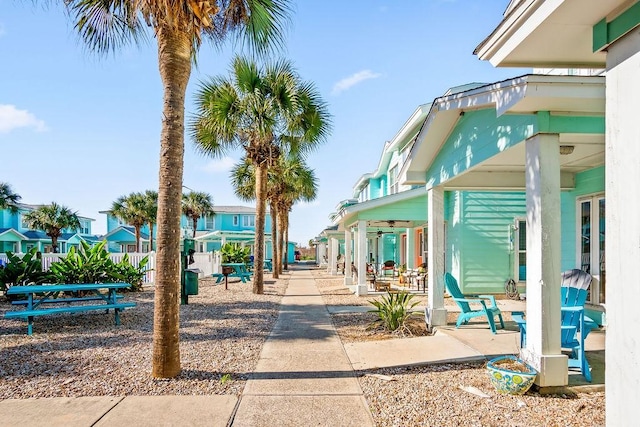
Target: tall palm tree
52 219
132 209
195 205
243 180
178 28
8 199
151 212
261 110
296 182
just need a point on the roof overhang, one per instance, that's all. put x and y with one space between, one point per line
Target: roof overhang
349 215
237 236
549 33
560 95
12 231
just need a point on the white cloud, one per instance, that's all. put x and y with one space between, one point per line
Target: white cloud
353 80
11 118
219 165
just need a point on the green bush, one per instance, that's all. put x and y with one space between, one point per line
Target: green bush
94 265
394 310
21 271
233 252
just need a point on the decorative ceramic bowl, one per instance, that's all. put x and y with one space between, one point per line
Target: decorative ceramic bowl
509 380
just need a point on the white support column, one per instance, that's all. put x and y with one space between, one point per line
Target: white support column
410 250
333 256
348 275
622 246
361 260
435 246
543 261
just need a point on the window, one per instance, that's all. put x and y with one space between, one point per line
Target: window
23 224
520 246
209 222
590 245
236 221
393 180
84 227
248 220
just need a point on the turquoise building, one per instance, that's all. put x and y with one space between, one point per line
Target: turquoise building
17 237
450 189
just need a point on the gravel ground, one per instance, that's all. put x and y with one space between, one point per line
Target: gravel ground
222 332
432 395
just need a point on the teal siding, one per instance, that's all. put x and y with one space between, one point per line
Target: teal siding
478 238
587 182
478 136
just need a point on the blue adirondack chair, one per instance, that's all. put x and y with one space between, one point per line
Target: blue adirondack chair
466 312
574 324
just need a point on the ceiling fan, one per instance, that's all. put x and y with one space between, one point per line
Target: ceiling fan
391 224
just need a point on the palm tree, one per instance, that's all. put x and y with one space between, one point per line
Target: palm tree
263 111
151 212
52 219
195 205
243 180
297 182
132 209
178 28
8 199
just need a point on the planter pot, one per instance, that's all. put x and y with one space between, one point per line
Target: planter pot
508 380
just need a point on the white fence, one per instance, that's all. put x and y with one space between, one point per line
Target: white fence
207 262
134 259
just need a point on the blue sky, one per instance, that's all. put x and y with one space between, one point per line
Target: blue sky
81 129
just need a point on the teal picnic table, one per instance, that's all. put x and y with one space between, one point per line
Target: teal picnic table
239 270
43 300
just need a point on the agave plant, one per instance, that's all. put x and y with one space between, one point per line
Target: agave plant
394 310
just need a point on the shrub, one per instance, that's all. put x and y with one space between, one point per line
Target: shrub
233 252
21 271
94 265
394 310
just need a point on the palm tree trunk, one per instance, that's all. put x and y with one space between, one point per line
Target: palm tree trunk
286 238
137 228
261 208
151 237
174 58
281 226
274 234
54 244
195 225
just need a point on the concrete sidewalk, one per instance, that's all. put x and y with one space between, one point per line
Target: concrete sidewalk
304 376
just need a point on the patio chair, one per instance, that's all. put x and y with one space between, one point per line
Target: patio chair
389 267
467 312
574 324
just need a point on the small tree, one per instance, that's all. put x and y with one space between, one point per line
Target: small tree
132 209
52 219
195 205
8 199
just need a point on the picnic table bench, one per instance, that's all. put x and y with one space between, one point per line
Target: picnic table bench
43 300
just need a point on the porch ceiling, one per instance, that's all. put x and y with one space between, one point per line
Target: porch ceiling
506 170
549 33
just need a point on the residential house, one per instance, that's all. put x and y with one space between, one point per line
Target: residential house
227 224
592 34
16 236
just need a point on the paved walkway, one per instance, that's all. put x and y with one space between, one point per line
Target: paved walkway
304 376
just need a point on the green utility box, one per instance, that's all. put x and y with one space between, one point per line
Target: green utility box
191 282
